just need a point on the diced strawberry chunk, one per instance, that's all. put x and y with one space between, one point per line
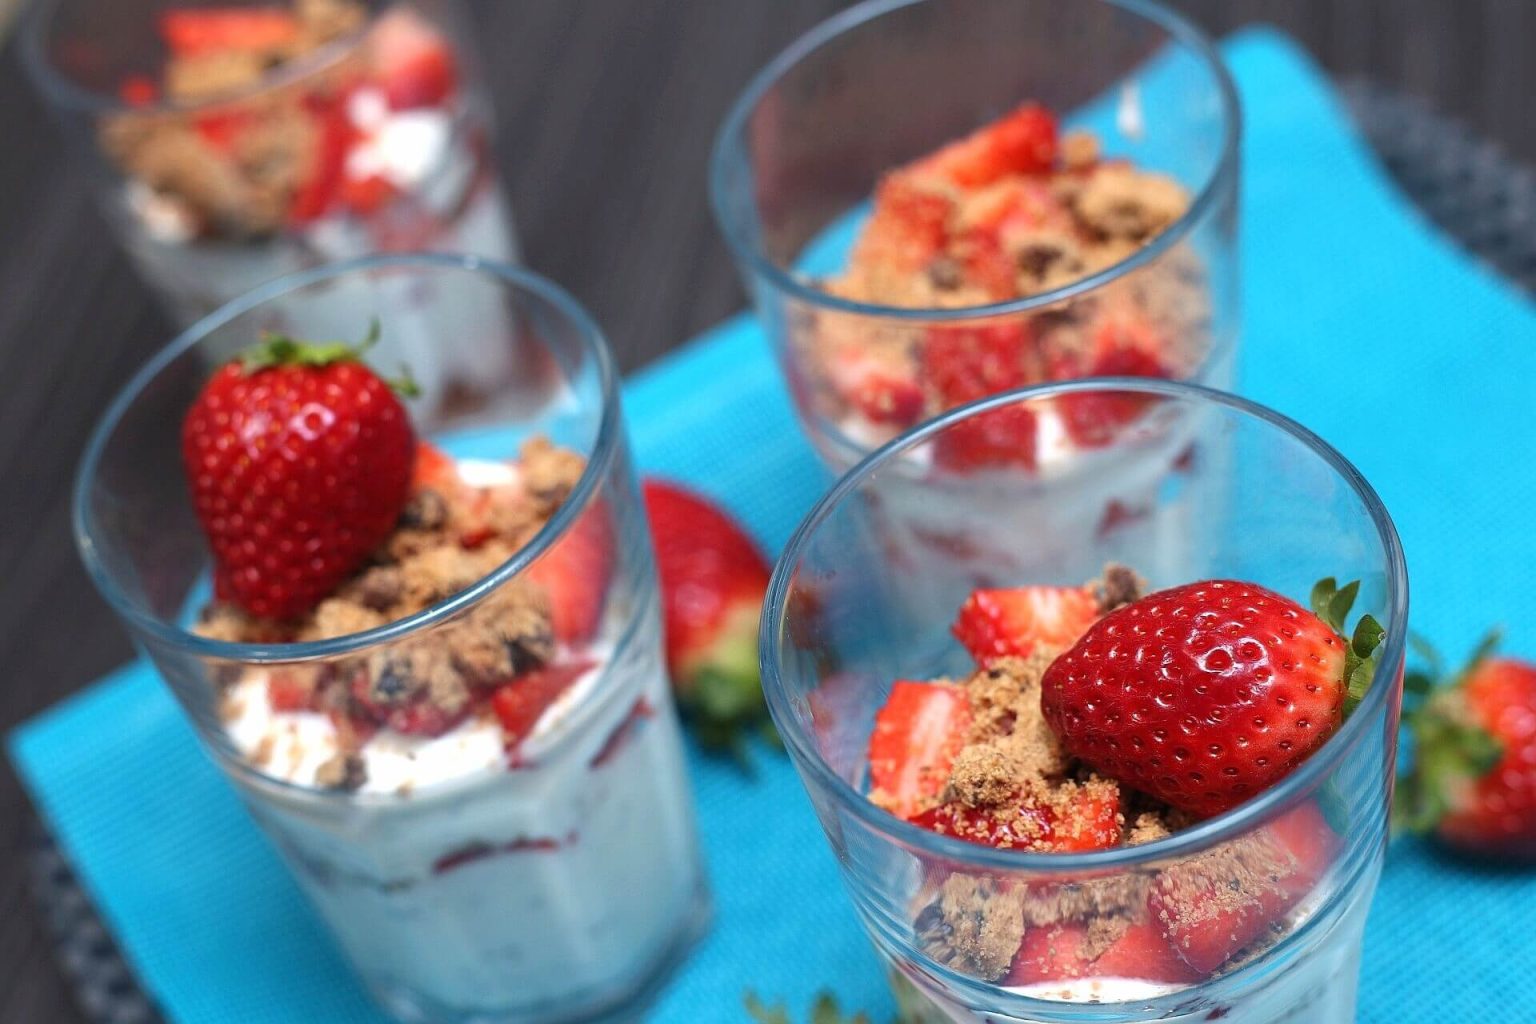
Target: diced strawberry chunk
1022 142
1017 622
916 737
423 718
986 265
1209 911
881 391
138 91
1086 819
520 703
201 31
574 574
318 191
435 469
908 227
415 66
971 361
1054 952
1094 419
286 692
365 196
220 128
1002 437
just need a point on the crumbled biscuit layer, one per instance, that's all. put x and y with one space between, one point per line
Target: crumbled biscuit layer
444 670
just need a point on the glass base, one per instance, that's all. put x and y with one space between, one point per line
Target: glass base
624 1003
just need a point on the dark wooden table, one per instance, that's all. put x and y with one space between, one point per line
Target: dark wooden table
606 111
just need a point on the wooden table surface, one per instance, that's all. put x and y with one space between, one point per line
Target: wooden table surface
606 110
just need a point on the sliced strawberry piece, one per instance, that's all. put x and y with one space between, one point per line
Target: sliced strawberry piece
221 128
1017 622
1022 142
908 227
423 718
967 362
365 196
574 573
415 66
882 391
521 702
1210 908
985 264
916 737
192 32
318 192
1055 953
286 692
1002 437
435 469
139 91
1078 817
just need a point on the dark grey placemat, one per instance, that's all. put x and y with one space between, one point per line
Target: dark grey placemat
1464 184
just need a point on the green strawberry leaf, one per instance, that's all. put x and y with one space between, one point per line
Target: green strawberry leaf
1360 660
276 349
824 1011
1449 751
1332 603
1322 595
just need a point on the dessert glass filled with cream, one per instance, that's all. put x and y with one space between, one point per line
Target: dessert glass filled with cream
464 744
1095 788
233 144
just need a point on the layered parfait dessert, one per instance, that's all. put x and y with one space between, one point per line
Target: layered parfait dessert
1015 210
1103 716
1018 209
274 138
490 811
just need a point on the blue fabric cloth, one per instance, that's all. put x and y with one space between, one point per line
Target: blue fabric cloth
1359 321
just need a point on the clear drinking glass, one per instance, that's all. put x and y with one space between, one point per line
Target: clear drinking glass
1220 488
365 130
556 887
796 163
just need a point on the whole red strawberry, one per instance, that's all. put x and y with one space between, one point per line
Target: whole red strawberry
712 585
1207 694
299 459
1473 781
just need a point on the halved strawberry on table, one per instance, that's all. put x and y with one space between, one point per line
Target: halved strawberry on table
712 583
1472 782
1018 621
918 732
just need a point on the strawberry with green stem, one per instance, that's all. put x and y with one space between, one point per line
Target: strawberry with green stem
712 583
1472 783
1207 694
299 460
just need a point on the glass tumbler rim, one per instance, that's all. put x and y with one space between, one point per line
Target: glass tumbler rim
733 129
62 90
1220 828
606 444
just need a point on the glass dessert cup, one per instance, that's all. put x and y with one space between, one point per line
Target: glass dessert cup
558 880
972 933
369 133
892 81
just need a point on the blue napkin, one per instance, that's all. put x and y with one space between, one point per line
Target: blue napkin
1359 321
